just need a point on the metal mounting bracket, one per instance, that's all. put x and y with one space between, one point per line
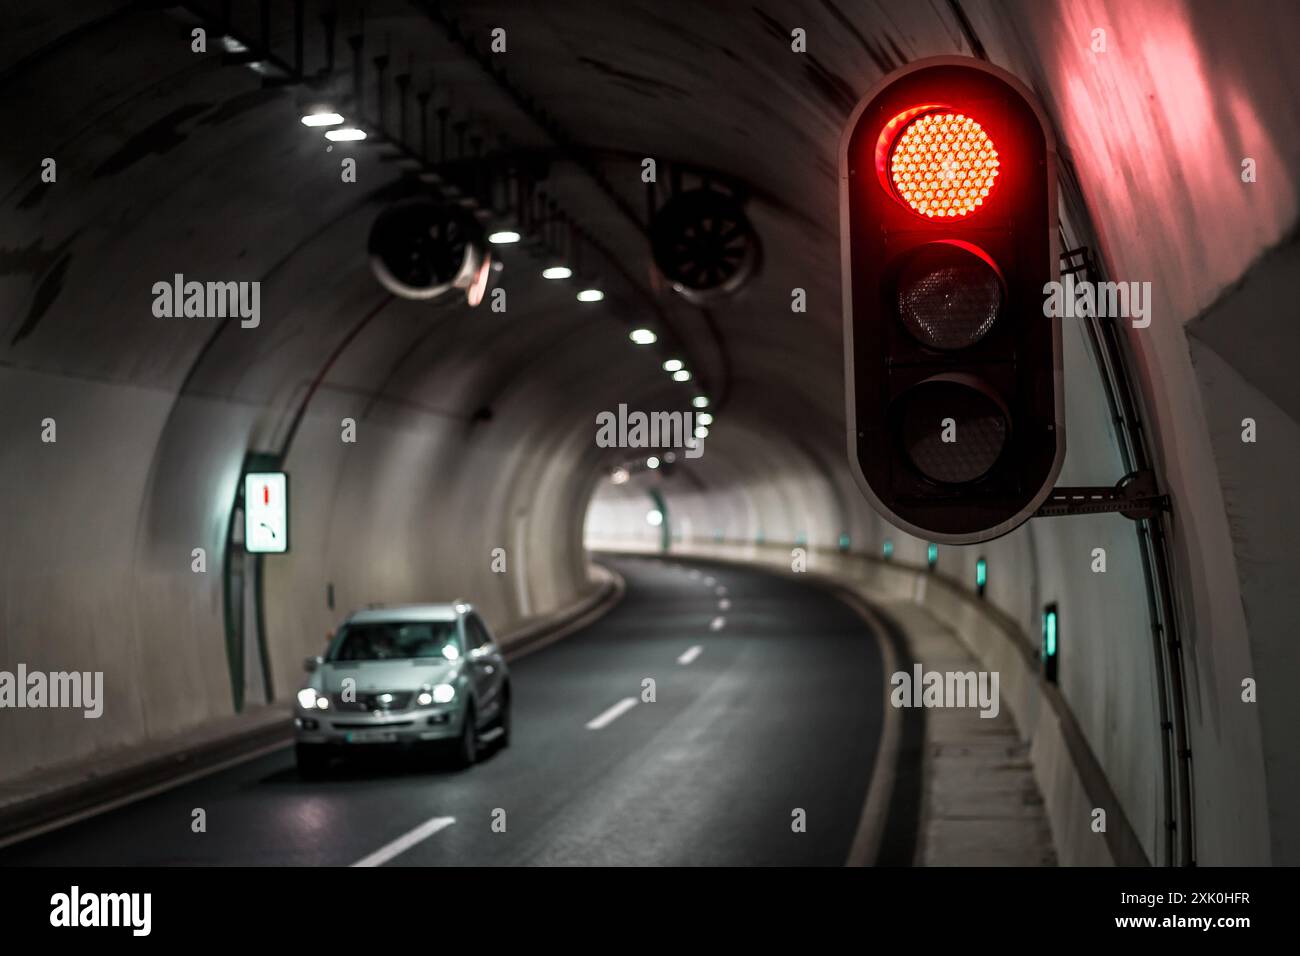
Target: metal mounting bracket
1135 496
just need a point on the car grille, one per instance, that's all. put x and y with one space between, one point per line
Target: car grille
371 702
392 724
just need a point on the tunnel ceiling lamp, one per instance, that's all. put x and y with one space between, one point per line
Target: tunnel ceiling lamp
652 462
704 418
681 375
619 476
643 337
503 237
557 272
701 431
673 365
590 295
700 401
349 134
322 118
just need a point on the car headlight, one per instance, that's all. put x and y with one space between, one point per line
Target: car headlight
443 693
425 698
309 699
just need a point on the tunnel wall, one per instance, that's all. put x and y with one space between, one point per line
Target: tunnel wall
1240 381
372 518
1157 129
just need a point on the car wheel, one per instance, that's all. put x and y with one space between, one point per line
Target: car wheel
312 760
467 744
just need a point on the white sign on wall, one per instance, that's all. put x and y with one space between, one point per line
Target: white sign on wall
266 512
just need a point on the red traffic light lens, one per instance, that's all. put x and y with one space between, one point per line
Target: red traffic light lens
943 165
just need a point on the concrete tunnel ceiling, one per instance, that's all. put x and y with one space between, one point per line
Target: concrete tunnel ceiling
477 426
214 125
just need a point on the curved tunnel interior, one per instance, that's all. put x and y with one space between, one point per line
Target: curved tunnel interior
443 451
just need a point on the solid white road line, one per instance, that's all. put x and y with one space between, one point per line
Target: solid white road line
717 624
690 654
613 714
406 841
724 604
721 591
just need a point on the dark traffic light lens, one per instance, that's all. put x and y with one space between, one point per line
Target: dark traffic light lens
949 296
952 430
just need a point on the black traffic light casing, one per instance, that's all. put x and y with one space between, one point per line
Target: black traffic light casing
998 458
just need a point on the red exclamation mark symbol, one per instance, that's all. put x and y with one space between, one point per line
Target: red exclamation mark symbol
266 494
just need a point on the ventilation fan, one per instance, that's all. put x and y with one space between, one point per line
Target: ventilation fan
419 249
704 244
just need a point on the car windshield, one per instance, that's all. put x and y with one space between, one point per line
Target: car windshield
395 640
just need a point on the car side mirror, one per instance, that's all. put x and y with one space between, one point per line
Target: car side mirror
311 663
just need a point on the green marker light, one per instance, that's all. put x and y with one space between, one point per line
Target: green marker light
1050 633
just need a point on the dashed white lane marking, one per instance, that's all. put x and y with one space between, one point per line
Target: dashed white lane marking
717 624
611 715
406 841
722 590
724 604
695 574
710 581
690 654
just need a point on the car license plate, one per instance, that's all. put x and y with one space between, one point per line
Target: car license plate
372 737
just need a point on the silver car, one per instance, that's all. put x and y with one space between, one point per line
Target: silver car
422 674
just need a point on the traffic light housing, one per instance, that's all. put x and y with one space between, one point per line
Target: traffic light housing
948 230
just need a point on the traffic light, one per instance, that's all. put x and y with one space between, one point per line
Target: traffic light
948 237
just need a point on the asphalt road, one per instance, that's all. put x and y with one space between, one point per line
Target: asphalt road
778 710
